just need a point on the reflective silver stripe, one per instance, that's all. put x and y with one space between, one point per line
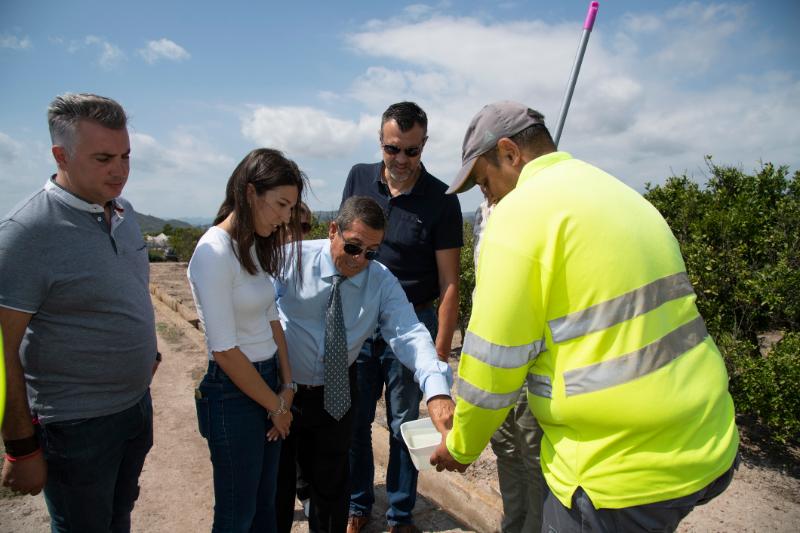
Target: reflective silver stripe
500 356
629 305
484 399
636 364
540 385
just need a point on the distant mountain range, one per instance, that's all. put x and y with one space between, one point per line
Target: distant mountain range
151 224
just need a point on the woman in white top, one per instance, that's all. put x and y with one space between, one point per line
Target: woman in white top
241 398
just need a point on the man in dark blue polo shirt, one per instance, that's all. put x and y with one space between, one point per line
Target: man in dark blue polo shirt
421 247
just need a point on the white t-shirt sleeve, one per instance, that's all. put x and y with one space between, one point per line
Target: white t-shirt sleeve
211 272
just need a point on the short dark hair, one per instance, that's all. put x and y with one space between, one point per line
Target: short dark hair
406 114
361 208
66 110
535 137
265 169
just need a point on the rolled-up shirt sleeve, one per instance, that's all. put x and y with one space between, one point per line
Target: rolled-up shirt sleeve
411 342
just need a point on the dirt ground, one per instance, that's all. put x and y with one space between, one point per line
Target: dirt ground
177 494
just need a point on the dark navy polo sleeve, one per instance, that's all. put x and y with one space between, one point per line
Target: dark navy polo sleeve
420 222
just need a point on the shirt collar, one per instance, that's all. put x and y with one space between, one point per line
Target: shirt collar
327 269
419 187
540 163
77 202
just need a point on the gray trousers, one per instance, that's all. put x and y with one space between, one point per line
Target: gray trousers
516 444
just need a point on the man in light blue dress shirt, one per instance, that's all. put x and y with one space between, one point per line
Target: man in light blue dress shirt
371 297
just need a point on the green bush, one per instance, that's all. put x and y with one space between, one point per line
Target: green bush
466 280
183 240
319 229
740 238
767 387
155 256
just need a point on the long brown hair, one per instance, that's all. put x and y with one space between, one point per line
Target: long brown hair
266 169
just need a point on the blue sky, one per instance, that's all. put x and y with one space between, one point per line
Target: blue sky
663 84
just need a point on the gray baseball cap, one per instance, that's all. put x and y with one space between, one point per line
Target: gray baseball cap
492 123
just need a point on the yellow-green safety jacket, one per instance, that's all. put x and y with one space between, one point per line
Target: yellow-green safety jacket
582 294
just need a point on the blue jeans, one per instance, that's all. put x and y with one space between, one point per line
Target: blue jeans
376 365
244 462
93 467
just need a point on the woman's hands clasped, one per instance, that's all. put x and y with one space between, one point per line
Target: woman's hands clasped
281 422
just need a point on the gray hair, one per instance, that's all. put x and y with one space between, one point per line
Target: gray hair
361 208
68 109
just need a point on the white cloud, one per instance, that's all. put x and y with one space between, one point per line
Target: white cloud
182 154
633 111
14 42
10 149
301 131
184 174
165 49
24 166
110 54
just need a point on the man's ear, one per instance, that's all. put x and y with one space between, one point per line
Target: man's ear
508 152
332 228
60 155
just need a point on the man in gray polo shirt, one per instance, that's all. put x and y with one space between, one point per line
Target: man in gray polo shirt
78 327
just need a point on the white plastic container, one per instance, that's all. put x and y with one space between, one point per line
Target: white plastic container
422 439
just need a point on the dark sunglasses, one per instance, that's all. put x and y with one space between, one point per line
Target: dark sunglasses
412 151
356 250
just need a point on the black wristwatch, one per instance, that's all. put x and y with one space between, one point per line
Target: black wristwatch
158 356
291 385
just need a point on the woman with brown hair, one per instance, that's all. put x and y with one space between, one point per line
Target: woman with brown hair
241 396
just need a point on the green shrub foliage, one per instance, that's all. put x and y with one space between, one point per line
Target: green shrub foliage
466 282
740 237
183 240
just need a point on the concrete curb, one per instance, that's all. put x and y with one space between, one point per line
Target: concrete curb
176 305
476 506
479 508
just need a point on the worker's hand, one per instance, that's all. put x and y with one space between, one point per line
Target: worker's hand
442 459
26 476
441 409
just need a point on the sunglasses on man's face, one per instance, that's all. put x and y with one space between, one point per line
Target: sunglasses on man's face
356 250
411 151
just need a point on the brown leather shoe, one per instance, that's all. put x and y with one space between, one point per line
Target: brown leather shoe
355 523
404 528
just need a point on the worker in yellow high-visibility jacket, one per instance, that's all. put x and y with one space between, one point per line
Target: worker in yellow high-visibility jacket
582 294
